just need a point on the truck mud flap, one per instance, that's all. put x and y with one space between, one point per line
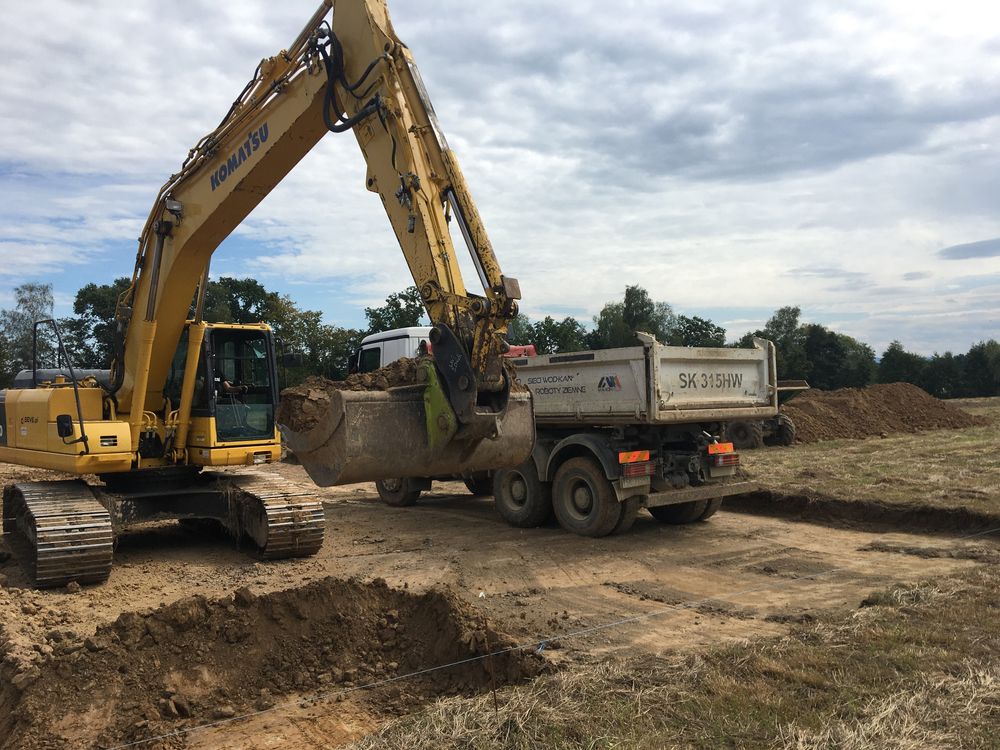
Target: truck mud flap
364 436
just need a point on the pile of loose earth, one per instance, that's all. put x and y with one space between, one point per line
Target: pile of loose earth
872 411
200 659
303 405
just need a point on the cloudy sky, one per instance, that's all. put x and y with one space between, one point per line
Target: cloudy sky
731 157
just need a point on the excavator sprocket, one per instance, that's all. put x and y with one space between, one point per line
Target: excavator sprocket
68 531
283 518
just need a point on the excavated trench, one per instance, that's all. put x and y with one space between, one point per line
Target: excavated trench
200 660
864 514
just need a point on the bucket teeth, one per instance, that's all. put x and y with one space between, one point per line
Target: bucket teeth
69 532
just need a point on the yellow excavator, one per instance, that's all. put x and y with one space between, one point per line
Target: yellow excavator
183 395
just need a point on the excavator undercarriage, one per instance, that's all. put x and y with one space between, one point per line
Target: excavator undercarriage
68 528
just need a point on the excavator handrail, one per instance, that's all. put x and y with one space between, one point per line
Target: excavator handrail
72 375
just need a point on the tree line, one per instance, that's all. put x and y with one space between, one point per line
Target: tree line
89 334
809 351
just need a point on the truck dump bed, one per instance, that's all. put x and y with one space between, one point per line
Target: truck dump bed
652 384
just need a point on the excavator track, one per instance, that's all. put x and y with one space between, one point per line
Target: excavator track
68 530
284 519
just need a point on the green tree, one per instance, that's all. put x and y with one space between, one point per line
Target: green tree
401 310
900 366
519 330
695 331
641 313
232 300
943 376
824 352
610 329
858 367
325 349
32 302
93 329
982 369
550 335
618 322
784 329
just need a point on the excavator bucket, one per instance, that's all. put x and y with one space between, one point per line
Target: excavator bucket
343 436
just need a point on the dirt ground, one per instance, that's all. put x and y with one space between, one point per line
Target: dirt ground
660 589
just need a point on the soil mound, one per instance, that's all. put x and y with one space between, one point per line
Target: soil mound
875 410
199 660
302 406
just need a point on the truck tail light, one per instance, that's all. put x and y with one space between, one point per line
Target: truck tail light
727 459
638 469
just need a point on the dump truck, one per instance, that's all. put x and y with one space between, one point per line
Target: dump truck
618 430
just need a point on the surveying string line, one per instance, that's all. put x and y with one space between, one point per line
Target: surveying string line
537 645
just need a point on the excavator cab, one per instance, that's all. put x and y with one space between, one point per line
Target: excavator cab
235 394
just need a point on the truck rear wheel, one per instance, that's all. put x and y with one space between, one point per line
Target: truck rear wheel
397 493
784 431
713 506
630 509
521 498
583 499
682 512
745 435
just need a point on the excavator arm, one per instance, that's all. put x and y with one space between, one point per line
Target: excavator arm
347 70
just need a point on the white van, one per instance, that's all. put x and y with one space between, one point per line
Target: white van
379 349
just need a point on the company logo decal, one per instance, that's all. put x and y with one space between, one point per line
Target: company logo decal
240 155
609 383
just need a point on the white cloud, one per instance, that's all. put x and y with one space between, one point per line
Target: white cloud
705 152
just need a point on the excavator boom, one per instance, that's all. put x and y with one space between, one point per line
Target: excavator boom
347 70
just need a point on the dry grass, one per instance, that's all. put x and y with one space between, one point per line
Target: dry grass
944 468
916 667
931 713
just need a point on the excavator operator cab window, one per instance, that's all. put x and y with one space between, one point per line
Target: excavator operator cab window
175 379
242 385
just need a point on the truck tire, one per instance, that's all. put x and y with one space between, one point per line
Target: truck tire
520 497
397 493
745 435
681 513
713 506
583 499
479 485
630 509
784 431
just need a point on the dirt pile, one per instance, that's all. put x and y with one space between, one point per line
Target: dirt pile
199 660
303 405
875 410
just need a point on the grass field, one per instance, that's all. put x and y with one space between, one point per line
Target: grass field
945 468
